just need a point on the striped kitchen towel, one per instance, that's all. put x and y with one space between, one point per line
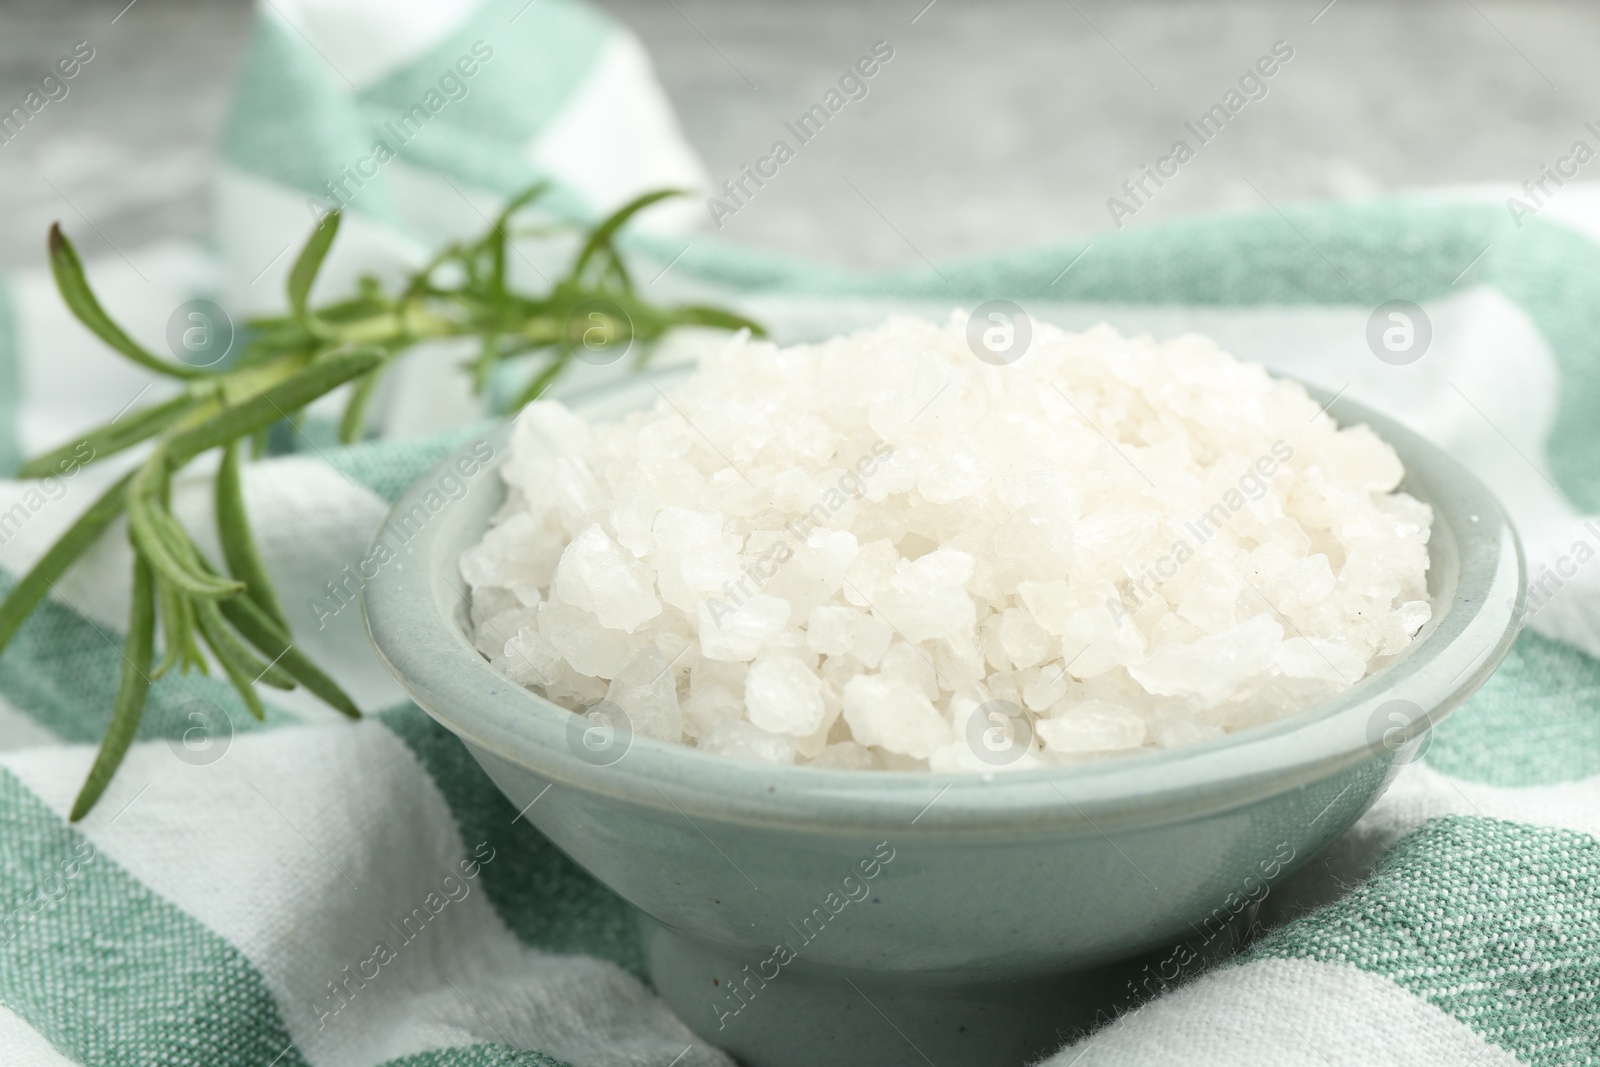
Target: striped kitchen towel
312 891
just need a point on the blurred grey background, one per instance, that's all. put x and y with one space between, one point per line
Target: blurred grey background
996 123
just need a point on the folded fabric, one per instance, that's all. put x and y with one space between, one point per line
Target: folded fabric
312 891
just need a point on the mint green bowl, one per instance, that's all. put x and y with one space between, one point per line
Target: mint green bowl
797 916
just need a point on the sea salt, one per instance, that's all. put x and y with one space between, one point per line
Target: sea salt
849 554
784 696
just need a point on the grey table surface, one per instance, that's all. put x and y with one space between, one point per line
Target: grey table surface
995 123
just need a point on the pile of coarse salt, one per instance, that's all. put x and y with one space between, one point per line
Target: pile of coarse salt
841 554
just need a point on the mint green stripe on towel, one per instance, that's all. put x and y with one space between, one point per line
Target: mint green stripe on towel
1322 254
545 898
61 670
487 1055
1495 923
10 386
1536 721
527 62
111 974
389 468
295 122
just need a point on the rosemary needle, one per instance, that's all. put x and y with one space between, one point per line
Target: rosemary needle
289 362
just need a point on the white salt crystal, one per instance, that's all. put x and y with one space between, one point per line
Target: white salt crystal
831 629
858 543
910 665
574 690
494 630
599 577
845 756
875 562
1172 730
1035 543
926 598
549 428
738 633
1052 604
899 761
1049 686
1025 642
530 658
784 696
1209 670
893 715
1101 636
716 692
590 648
710 705
953 477
1305 583
1414 615
519 555
578 494
897 474
490 600
872 639
692 554
1093 726
1314 657
744 740
827 556
1022 487
957 660
647 691
811 746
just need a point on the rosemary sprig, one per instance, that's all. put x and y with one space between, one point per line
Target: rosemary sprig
290 361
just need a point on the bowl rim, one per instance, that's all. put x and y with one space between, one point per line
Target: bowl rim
410 610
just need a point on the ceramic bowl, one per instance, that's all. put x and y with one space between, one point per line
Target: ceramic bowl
797 916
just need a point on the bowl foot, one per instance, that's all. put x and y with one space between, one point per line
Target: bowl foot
807 1015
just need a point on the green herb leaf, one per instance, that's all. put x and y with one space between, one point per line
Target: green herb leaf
497 238
240 681
154 539
238 543
36 584
271 405
177 618
695 315
256 627
133 688
309 262
488 356
238 662
354 420
108 440
603 233
80 299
